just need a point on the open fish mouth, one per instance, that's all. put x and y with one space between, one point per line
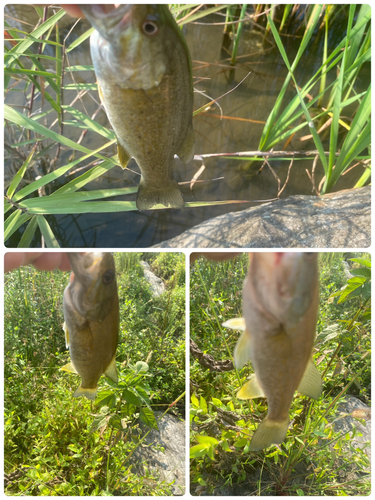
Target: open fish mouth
108 19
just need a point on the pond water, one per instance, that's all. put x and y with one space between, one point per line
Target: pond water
244 111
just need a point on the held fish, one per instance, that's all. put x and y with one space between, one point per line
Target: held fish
91 313
143 69
280 307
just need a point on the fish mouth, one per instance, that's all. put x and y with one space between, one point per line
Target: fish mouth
108 19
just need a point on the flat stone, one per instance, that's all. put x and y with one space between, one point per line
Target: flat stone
168 464
335 220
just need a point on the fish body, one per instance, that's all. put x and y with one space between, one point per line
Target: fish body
143 69
280 306
91 313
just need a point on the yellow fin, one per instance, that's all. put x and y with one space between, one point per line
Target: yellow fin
123 155
242 351
251 390
111 371
69 368
311 383
88 393
269 432
169 195
235 324
186 151
65 328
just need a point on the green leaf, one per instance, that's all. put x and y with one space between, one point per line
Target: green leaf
147 416
115 421
22 46
106 398
28 234
141 367
47 233
194 401
363 262
203 404
23 121
19 175
207 439
14 222
217 402
240 443
80 39
199 450
130 397
226 447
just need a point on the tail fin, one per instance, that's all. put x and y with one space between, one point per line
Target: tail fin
269 432
88 393
169 195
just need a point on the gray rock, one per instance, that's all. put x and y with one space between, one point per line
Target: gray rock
347 422
156 284
170 464
334 220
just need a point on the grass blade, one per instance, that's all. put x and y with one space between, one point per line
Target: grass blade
47 233
19 175
28 234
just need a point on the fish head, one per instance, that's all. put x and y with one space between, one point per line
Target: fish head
92 286
284 284
131 43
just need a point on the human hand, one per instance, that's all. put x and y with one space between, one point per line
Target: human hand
44 261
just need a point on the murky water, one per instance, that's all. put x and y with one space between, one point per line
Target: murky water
244 112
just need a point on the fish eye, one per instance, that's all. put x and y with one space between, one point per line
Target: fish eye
150 28
108 277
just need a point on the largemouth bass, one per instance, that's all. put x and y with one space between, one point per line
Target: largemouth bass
143 69
91 313
280 306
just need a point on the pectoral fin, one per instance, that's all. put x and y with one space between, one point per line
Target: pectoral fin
251 389
69 368
123 155
242 352
269 432
88 393
311 383
65 328
111 371
235 324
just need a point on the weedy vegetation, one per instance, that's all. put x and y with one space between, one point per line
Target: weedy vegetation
57 445
316 458
326 105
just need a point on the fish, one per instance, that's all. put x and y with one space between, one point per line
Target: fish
280 310
91 314
143 68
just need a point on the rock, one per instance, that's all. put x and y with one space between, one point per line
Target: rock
170 465
334 220
347 422
156 284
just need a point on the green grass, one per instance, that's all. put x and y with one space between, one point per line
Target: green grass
74 447
313 456
314 104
